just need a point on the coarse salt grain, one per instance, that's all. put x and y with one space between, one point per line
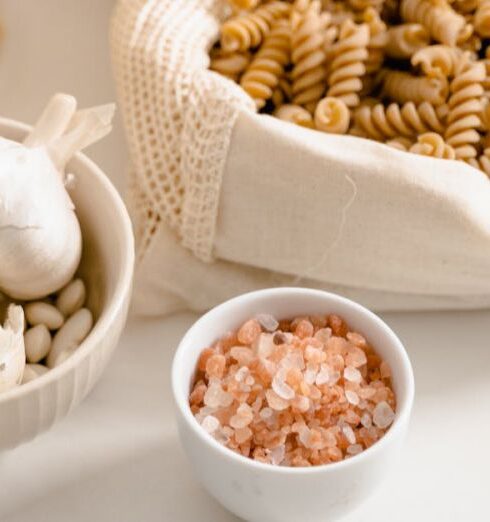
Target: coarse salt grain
279 385
271 379
268 322
349 434
383 415
352 397
354 449
210 423
352 374
275 402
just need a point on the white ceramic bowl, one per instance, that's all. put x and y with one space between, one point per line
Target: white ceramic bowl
107 269
264 493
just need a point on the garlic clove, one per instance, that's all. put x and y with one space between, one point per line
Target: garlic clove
53 121
12 351
40 237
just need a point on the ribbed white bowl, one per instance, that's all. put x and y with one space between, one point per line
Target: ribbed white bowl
107 268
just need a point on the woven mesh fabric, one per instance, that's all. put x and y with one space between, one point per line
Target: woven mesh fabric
178 116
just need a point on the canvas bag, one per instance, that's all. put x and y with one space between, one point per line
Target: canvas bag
226 200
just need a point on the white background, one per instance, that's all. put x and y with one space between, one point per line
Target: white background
117 457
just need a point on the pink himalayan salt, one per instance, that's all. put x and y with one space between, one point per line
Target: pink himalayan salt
210 424
243 356
243 417
352 397
243 434
268 322
349 434
275 402
354 449
384 370
355 357
383 415
249 331
304 329
279 385
304 394
352 374
215 365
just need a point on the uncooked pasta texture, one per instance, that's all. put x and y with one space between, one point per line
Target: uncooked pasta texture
412 74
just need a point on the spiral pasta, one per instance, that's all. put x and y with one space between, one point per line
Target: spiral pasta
377 40
247 31
361 5
283 93
405 40
230 65
437 60
332 115
442 21
295 114
308 56
400 143
481 19
406 73
482 162
347 67
382 123
465 108
264 72
247 5
465 7
433 144
403 87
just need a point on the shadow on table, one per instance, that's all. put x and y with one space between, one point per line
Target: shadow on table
156 486
448 350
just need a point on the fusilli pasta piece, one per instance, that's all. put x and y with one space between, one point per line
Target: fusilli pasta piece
361 5
482 162
405 40
381 123
403 87
377 40
465 7
400 143
263 74
437 60
347 67
246 31
246 5
283 93
465 108
230 65
332 115
295 114
308 56
445 25
432 144
481 19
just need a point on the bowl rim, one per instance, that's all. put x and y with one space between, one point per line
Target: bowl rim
115 301
403 410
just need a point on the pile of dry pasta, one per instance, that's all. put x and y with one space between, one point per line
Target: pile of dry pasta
414 74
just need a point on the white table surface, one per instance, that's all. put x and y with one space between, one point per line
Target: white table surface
117 457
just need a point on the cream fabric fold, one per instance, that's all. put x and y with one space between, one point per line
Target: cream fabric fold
225 200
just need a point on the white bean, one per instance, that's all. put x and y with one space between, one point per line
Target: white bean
33 371
70 335
71 298
63 356
37 342
43 313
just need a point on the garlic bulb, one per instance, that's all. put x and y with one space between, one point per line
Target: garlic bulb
12 351
40 237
